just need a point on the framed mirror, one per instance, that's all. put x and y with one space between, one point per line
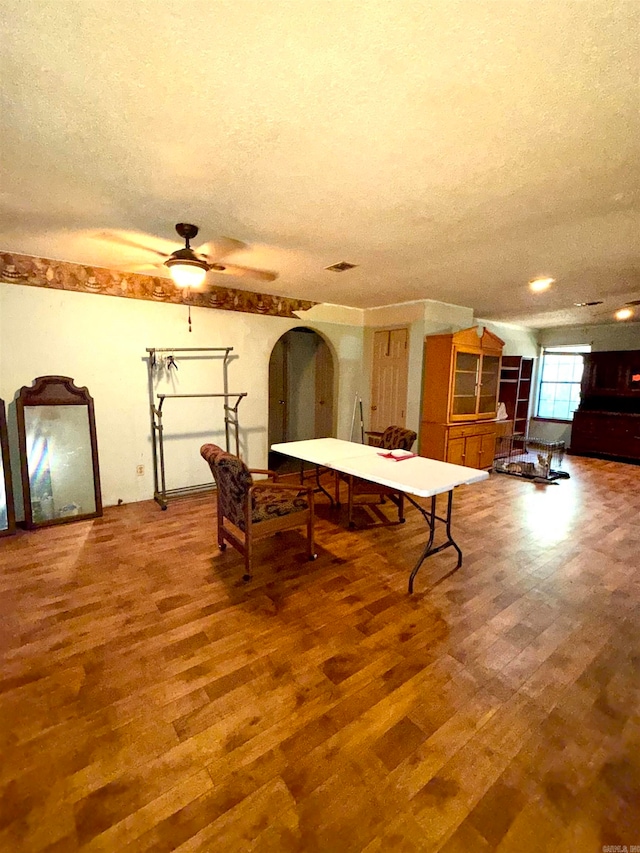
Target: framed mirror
7 515
58 452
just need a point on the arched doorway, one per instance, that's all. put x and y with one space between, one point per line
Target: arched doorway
301 376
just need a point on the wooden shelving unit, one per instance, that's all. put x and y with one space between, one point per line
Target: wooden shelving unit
515 389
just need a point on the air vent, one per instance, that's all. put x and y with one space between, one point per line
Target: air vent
343 266
634 302
587 304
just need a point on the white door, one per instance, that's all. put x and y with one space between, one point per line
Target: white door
389 378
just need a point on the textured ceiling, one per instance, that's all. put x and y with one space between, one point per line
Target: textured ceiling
453 150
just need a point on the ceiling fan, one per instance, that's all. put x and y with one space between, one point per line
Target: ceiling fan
188 268
625 311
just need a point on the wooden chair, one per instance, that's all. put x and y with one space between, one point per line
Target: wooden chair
393 438
250 510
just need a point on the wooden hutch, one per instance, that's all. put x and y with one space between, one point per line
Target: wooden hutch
607 422
460 397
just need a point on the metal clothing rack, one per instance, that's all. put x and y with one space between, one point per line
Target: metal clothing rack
231 424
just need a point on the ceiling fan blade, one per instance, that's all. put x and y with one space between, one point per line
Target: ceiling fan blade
220 247
243 272
114 237
143 268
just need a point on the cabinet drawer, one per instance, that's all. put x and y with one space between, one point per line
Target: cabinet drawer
471 429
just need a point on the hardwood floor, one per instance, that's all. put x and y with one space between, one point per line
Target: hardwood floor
149 700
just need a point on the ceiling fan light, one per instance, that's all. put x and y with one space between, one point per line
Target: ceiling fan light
623 314
187 270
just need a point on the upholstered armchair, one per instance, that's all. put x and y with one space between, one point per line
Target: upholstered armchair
210 453
393 438
250 510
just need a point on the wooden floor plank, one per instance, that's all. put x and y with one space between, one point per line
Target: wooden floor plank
150 700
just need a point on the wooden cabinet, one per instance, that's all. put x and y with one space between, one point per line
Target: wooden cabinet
515 389
460 397
472 445
607 422
606 433
461 376
611 375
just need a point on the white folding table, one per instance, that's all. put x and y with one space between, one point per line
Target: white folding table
416 475
323 453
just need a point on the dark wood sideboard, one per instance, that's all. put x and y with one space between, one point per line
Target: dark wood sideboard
607 422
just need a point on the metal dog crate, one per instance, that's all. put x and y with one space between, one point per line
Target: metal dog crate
530 458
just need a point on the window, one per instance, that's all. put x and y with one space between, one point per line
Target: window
559 386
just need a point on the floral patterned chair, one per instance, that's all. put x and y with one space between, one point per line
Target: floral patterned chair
210 453
393 438
249 510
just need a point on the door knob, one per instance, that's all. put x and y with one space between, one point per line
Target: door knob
374 408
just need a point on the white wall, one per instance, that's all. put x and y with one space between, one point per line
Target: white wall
517 339
101 341
609 336
441 318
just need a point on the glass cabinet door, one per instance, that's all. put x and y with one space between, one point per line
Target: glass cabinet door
489 384
465 384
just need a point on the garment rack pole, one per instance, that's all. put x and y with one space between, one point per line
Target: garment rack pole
161 494
225 386
227 350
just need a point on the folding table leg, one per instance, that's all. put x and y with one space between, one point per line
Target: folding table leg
319 487
431 518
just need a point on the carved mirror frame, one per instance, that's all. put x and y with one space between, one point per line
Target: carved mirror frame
9 526
57 391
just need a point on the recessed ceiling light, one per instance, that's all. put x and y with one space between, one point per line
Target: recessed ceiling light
540 284
623 314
